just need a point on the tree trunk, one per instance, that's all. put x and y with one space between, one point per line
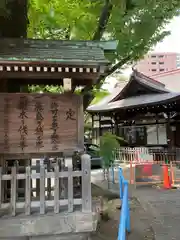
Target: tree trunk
14 23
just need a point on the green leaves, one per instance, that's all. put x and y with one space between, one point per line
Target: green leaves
108 144
99 95
46 88
138 25
48 18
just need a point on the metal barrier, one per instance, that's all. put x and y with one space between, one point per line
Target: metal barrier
124 222
138 154
150 173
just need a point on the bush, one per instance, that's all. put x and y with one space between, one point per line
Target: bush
108 144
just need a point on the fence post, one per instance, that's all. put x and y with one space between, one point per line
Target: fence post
128 224
70 186
28 191
86 183
112 172
13 190
131 173
1 187
172 173
38 180
42 189
56 188
120 183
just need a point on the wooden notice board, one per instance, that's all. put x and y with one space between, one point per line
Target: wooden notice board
40 123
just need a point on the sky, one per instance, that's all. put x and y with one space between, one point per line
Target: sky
169 44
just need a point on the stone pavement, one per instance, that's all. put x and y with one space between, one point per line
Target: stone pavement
164 207
161 206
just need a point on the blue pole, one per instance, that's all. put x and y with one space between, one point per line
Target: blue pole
120 183
128 224
123 215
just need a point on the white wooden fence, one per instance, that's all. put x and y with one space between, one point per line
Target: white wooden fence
29 202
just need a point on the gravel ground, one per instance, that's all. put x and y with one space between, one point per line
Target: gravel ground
108 226
141 228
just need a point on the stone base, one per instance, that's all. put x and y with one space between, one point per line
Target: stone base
56 237
55 226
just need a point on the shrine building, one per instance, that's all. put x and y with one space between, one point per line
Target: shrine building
144 112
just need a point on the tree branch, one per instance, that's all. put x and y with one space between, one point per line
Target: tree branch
117 65
103 20
88 94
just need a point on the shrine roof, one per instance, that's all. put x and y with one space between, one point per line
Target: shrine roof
138 84
71 52
136 101
140 90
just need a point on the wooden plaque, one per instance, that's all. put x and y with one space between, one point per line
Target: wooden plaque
40 123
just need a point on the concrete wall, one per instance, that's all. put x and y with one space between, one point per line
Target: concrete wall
158 63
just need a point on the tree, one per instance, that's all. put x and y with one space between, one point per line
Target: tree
13 18
138 25
121 78
99 94
108 146
46 88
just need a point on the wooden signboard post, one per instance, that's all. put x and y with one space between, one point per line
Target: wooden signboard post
40 123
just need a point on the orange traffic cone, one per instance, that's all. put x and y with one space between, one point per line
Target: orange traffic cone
167 183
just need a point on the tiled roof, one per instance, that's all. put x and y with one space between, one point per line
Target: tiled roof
123 98
138 77
149 82
143 100
162 74
85 52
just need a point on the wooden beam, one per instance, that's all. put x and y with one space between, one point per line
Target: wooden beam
48 75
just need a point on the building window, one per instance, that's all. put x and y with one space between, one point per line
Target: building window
153 56
161 56
161 63
153 63
156 134
178 65
134 134
153 70
161 69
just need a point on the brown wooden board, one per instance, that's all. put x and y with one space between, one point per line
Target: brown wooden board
40 123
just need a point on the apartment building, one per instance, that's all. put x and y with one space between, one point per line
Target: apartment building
154 63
